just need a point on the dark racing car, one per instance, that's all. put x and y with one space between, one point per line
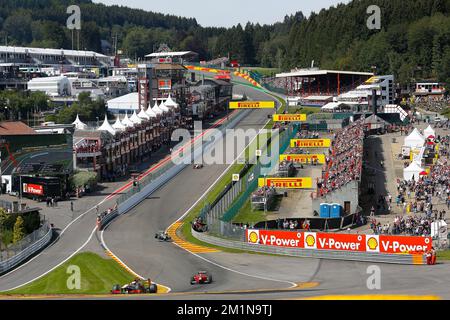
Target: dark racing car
201 277
136 287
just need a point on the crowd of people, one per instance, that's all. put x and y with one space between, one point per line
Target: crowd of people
293 224
406 225
344 162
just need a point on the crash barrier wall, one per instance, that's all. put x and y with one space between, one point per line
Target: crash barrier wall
155 180
17 253
107 218
312 253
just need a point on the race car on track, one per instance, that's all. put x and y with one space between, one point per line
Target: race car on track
163 236
198 166
136 287
201 277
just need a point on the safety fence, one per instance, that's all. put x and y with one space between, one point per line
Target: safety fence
6 205
15 254
241 244
105 218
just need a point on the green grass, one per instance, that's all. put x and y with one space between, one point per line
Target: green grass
265 72
98 275
443 255
304 110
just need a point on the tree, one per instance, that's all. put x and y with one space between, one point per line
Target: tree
19 230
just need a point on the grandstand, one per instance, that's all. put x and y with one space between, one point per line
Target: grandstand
316 82
27 56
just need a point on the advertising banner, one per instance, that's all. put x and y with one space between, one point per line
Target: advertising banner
33 189
286 183
164 84
303 158
340 241
289 117
252 105
310 143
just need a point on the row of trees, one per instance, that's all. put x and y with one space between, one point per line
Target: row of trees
413 40
14 227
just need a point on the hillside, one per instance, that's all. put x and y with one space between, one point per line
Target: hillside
414 41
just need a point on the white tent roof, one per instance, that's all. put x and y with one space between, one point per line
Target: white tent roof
151 113
118 125
135 119
127 122
78 124
170 103
163 107
415 139
143 115
127 102
413 170
156 109
107 127
429 132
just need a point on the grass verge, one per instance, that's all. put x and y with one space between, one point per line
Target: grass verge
443 255
98 275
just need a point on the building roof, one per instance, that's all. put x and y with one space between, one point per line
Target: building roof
178 54
46 51
15 128
169 66
127 102
318 72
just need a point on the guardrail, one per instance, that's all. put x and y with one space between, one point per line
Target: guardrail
407 259
42 242
103 220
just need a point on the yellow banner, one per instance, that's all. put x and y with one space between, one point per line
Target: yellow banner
303 158
289 117
310 143
286 183
252 105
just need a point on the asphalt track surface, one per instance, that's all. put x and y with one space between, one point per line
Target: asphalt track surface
236 276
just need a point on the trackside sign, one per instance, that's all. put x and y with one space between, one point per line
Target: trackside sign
310 143
289 117
252 105
340 242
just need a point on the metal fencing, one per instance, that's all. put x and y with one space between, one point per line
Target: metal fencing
15 254
6 205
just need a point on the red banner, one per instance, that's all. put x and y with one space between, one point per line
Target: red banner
33 189
340 241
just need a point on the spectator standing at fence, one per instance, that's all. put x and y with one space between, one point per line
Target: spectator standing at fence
71 206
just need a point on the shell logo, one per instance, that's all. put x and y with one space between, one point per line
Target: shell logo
253 236
373 243
310 240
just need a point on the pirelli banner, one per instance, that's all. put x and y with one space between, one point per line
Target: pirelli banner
310 143
286 183
303 158
289 117
340 242
252 105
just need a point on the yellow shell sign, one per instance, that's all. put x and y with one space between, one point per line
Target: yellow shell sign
303 158
310 143
286 183
289 117
252 105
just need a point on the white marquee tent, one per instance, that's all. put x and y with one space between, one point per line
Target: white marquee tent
414 140
429 132
412 172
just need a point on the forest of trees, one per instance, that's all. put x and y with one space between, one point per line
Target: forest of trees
414 41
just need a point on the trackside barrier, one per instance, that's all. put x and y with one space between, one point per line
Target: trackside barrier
104 220
406 259
14 261
155 184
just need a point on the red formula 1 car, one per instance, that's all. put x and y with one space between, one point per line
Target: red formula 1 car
201 277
